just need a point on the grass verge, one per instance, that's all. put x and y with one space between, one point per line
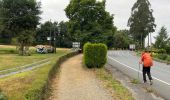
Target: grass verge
13 60
34 84
119 92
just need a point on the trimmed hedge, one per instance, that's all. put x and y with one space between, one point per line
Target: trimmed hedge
95 55
42 92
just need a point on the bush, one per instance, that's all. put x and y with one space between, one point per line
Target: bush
168 49
168 58
162 51
162 56
95 55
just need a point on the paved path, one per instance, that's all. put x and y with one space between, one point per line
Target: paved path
77 83
128 62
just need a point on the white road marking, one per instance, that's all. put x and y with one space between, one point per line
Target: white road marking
138 71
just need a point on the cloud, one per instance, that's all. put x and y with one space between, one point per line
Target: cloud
54 9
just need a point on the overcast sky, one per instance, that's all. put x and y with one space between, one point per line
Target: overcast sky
54 10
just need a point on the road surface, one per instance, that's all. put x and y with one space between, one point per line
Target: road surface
128 63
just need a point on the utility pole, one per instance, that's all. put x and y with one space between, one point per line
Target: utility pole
54 39
50 32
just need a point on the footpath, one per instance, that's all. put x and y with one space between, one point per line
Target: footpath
74 82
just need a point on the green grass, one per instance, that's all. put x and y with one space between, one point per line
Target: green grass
14 60
17 86
10 49
119 92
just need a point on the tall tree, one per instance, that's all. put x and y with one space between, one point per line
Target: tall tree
45 30
21 17
64 37
57 30
89 21
141 21
162 39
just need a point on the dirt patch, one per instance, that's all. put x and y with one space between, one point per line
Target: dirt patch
77 83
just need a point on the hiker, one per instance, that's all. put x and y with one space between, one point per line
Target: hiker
147 64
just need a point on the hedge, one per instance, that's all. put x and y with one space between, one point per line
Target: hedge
42 92
95 55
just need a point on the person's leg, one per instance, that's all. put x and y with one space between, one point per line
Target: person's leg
144 74
149 73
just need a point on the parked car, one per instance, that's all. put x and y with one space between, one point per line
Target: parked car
44 49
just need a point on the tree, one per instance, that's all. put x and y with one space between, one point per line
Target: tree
90 22
59 31
64 38
45 31
141 21
21 17
121 39
162 39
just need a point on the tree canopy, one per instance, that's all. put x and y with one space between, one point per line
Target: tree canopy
141 21
20 19
59 31
89 21
162 40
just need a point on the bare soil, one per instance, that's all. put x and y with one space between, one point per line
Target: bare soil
77 83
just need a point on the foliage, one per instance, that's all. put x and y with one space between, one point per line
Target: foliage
20 16
57 30
168 58
162 39
168 49
162 56
90 22
2 96
122 39
141 22
161 51
95 55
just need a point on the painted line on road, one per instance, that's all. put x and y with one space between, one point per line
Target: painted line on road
137 70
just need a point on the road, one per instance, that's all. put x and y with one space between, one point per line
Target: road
128 63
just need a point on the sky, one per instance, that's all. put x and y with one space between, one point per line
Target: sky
54 10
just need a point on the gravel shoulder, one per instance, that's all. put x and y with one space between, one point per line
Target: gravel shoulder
77 83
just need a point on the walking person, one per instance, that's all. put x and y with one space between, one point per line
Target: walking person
147 64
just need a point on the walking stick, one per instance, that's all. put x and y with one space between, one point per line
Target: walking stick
138 71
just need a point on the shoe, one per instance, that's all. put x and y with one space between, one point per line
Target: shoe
151 82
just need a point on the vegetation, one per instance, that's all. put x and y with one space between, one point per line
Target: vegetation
34 84
2 96
20 19
90 22
119 91
162 40
59 31
122 39
141 21
95 55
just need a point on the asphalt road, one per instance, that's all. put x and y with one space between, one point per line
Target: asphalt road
128 63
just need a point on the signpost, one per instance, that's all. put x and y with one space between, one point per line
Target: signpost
132 47
76 45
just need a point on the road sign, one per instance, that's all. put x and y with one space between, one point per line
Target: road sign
76 45
132 46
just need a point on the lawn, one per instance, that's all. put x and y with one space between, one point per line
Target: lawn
14 60
17 86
